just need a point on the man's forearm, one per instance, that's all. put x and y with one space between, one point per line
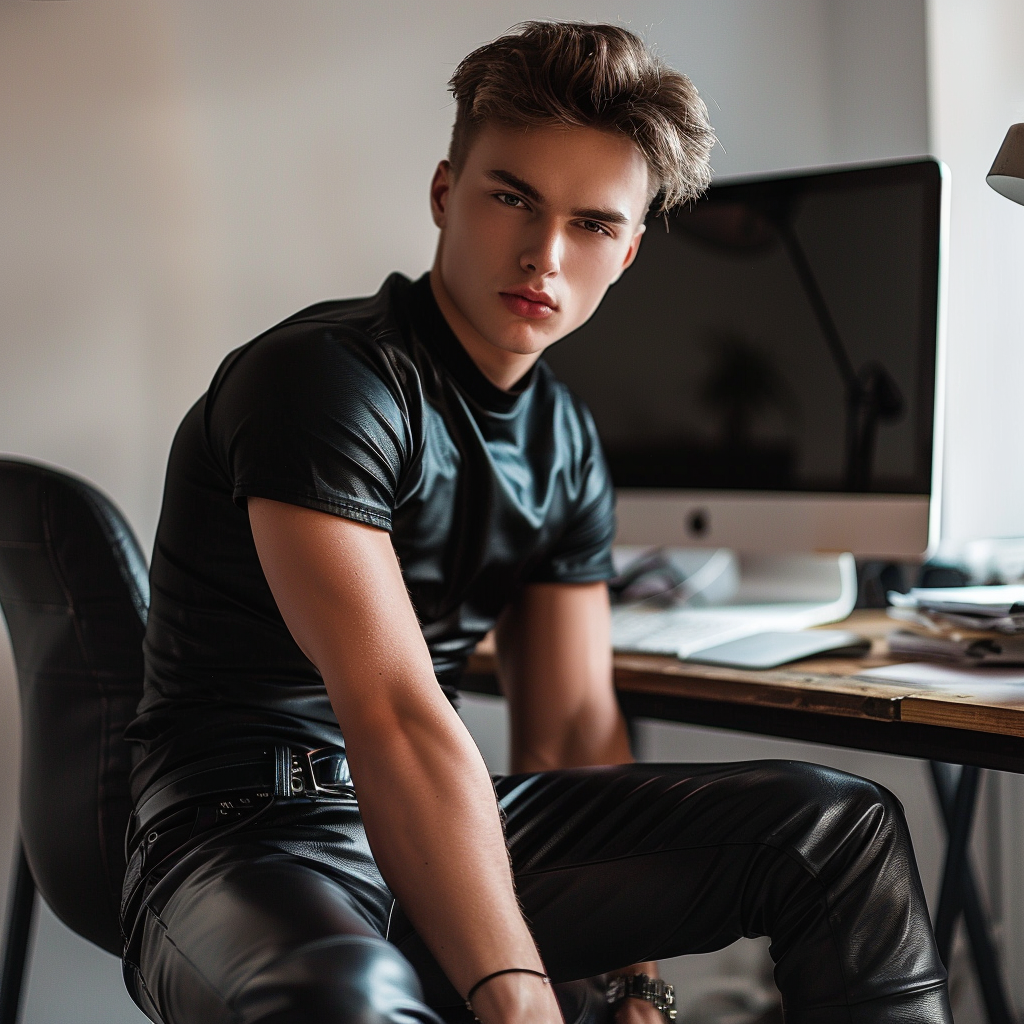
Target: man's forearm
587 739
555 665
424 794
556 669
431 818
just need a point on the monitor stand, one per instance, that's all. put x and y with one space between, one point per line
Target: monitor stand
826 579
723 597
717 596
719 577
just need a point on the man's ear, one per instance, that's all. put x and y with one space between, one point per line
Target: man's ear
440 187
631 252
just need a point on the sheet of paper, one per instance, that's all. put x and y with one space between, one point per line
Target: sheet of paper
982 600
971 681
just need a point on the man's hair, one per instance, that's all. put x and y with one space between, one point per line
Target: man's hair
570 74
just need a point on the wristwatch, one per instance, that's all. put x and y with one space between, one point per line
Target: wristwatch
658 993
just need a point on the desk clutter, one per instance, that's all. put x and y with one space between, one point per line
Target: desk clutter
697 606
961 625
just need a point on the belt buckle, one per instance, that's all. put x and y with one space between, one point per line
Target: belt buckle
309 767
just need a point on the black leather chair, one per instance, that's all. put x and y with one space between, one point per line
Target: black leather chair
74 590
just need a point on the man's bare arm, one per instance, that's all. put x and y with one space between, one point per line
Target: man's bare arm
555 663
424 793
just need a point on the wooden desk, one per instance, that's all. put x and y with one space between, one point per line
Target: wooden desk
821 700
818 700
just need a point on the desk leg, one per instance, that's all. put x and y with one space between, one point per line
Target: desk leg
960 891
958 827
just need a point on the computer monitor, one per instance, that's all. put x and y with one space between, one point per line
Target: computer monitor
767 376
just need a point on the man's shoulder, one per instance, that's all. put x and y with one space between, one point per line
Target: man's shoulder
312 347
330 373
370 316
369 322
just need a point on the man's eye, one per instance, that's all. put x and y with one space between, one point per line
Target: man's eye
595 227
510 199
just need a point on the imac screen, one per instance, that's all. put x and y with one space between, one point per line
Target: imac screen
779 335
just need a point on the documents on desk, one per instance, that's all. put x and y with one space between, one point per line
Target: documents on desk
967 625
1000 609
997 683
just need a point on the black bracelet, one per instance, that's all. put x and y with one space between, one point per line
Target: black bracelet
508 970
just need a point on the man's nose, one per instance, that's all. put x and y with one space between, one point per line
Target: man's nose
543 254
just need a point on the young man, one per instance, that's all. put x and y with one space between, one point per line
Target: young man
362 494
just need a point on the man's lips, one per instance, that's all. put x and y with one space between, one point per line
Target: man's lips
532 307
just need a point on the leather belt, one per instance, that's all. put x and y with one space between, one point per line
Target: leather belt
237 779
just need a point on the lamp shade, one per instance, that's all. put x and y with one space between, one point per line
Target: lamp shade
1007 174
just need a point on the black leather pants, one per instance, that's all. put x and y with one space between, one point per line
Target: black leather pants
284 918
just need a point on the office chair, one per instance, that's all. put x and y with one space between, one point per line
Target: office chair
75 592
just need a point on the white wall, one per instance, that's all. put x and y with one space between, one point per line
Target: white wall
175 176
977 92
977 76
179 175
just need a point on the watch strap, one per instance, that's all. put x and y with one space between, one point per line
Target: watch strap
660 994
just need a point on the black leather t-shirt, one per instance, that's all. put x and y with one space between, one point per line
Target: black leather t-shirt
372 410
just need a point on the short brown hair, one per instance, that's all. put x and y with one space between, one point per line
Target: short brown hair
573 74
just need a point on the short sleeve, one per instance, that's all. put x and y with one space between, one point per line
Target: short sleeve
311 416
583 551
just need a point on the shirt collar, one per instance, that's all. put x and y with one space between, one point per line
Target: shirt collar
434 331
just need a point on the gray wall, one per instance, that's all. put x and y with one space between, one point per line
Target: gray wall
175 176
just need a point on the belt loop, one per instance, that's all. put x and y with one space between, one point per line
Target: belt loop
282 771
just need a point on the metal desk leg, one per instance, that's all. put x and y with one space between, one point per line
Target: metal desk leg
958 826
20 904
960 891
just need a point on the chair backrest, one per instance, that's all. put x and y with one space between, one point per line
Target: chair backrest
75 593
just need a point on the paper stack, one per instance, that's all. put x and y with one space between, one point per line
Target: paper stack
968 625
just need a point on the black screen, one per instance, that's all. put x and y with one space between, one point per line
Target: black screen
780 335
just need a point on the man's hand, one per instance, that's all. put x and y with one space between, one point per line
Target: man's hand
637 1011
425 796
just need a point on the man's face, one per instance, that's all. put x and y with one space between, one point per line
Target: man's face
534 228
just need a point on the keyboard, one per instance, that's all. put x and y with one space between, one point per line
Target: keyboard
681 632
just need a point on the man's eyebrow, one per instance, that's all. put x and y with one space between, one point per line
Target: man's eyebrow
508 178
608 216
513 181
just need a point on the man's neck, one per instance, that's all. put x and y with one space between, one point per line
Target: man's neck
502 368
